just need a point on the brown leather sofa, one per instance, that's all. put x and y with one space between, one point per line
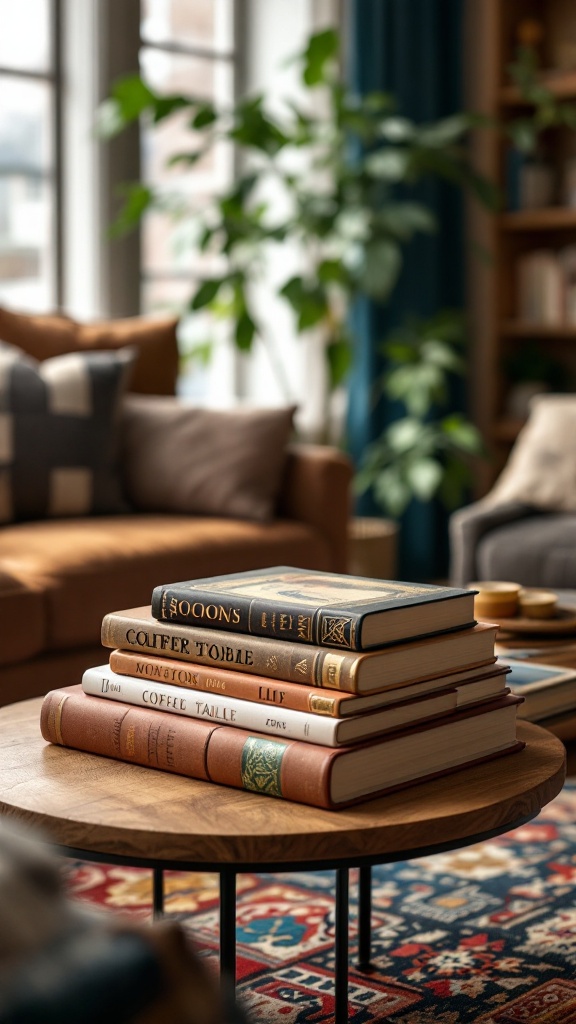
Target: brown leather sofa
58 577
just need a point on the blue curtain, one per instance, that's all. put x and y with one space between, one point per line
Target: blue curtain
411 49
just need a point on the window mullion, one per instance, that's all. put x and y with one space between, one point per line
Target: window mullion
58 141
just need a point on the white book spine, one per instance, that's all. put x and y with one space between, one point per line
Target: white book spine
244 714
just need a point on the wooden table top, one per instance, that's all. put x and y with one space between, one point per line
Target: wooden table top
104 806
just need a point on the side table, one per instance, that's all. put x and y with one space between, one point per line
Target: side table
99 809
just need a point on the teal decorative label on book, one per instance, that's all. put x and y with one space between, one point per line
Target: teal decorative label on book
261 764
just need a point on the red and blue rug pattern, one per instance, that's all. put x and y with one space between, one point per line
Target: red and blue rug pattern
486 934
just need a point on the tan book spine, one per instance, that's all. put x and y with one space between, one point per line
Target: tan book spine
261 656
243 685
365 672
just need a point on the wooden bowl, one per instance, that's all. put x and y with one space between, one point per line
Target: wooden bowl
496 599
537 604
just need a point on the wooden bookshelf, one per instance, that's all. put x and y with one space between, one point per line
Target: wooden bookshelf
501 336
549 218
519 329
562 85
507 430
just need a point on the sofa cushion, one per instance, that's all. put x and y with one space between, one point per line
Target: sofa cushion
181 458
84 568
59 424
541 468
154 340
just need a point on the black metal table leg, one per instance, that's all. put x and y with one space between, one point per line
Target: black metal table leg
364 917
341 950
157 892
228 932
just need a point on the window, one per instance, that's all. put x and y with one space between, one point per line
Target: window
30 165
188 48
59 184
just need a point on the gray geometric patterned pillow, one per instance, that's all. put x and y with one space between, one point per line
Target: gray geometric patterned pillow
59 422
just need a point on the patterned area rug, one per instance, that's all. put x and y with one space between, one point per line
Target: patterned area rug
484 934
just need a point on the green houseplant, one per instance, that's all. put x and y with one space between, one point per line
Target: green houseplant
547 111
342 180
423 452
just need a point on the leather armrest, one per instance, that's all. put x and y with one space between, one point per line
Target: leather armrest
316 490
23 617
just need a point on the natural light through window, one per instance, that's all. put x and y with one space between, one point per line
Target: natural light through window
186 48
28 190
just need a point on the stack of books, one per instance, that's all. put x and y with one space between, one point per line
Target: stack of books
321 688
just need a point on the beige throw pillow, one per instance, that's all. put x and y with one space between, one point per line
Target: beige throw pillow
541 469
186 459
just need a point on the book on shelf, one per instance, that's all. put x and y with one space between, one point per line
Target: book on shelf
325 777
540 288
360 672
100 681
547 287
547 689
471 684
312 607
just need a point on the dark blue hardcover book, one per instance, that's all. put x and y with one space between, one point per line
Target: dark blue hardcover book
313 607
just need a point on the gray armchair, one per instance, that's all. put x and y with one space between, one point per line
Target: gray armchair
513 541
525 528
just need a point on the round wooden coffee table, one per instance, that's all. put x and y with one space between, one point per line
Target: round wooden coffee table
96 808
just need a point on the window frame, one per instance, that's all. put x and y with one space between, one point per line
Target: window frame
197 51
54 176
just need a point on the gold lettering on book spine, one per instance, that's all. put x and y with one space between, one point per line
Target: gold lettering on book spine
261 764
130 741
304 628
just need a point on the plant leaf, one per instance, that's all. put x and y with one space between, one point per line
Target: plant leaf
339 355
462 433
404 434
207 291
245 331
189 159
387 164
403 219
138 198
396 129
293 290
382 262
424 476
322 48
200 353
392 492
205 115
132 97
442 133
